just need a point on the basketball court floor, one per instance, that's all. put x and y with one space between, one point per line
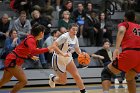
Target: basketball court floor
91 88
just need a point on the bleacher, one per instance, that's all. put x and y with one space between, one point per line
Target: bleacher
83 42
39 76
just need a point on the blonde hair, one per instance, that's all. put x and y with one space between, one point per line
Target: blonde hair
32 14
67 12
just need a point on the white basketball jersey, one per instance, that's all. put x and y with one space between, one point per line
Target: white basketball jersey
67 44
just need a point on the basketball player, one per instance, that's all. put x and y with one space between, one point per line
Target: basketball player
14 60
128 61
62 61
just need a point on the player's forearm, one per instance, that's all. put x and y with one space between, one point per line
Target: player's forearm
120 36
78 51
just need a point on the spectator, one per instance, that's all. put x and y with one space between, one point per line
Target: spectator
66 20
4 26
89 8
54 35
22 5
105 55
38 19
62 30
11 42
92 29
79 15
49 41
22 25
68 6
106 26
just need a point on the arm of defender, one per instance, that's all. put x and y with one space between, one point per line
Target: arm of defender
120 35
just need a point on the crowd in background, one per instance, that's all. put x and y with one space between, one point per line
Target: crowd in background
93 25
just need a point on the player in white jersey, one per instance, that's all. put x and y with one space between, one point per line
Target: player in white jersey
62 60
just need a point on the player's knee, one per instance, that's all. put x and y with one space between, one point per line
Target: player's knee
106 74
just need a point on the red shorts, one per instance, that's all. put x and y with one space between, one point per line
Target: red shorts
128 60
11 61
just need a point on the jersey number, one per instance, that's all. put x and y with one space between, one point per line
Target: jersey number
136 31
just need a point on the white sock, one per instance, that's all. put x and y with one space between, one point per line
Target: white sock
105 91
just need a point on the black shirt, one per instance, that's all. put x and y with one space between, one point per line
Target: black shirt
103 53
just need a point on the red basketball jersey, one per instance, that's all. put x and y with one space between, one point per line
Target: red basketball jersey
132 35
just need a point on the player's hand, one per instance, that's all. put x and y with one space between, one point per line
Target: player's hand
82 53
35 58
115 53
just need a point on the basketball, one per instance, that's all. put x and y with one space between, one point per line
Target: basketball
84 59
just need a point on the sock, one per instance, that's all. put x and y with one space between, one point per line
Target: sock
83 91
106 92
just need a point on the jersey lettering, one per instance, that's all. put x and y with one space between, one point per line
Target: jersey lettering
136 31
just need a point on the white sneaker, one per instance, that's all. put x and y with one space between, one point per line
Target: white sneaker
116 81
124 81
51 83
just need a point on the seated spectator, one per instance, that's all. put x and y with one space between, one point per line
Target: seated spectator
63 30
67 6
79 15
4 26
54 35
92 30
22 25
105 55
11 42
106 26
22 5
38 19
49 41
65 21
89 8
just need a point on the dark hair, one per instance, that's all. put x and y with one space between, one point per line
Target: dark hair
22 12
89 3
100 15
53 32
36 29
105 40
80 3
72 25
11 31
130 15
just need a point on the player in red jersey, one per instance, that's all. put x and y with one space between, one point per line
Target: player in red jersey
128 60
26 49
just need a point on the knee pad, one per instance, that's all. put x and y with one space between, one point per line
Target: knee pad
106 74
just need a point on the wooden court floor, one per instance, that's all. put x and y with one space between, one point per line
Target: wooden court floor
120 88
